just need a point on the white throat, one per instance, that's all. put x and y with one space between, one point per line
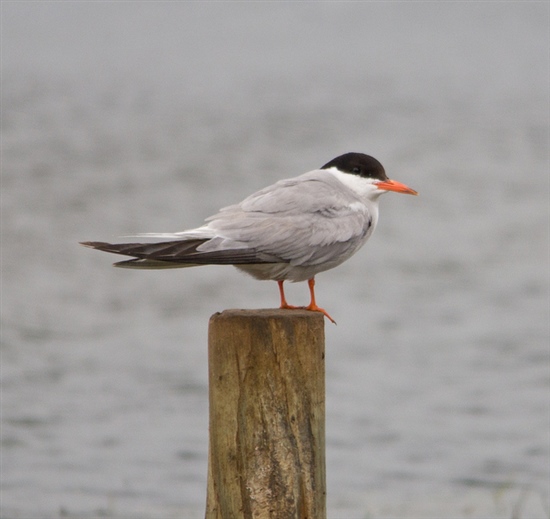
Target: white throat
363 187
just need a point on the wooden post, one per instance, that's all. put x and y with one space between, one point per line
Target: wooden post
266 456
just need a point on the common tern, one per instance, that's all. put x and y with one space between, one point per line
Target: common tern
289 231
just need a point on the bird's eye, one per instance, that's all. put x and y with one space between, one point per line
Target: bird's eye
356 170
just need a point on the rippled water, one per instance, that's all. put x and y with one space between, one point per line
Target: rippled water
124 118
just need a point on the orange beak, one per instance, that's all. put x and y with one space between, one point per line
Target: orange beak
392 185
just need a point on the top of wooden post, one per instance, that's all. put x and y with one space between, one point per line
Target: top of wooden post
270 313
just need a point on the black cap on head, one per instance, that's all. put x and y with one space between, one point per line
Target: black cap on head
358 164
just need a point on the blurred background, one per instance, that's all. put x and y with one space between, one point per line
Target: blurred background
126 117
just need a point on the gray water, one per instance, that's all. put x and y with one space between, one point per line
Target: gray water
134 117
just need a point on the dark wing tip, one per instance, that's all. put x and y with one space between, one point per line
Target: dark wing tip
92 244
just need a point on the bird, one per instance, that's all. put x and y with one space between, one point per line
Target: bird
289 231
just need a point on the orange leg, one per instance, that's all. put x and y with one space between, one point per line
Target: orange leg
312 305
284 304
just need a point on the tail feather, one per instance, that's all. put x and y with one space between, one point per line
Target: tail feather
145 264
167 249
178 253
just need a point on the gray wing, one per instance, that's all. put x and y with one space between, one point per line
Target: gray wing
309 220
305 221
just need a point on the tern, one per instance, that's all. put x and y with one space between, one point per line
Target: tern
289 231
